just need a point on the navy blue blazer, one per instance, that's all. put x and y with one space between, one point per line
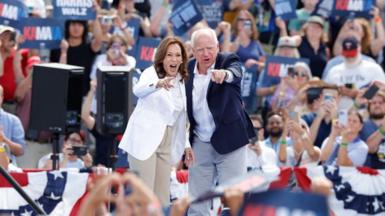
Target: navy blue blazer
233 128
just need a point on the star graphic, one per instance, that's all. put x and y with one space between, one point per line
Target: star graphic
26 213
57 174
40 205
376 204
349 199
331 169
339 187
53 197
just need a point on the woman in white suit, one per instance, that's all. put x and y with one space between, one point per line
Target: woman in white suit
155 137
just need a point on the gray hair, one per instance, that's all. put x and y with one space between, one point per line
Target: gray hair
304 66
203 32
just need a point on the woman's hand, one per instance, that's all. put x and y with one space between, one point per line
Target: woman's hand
165 83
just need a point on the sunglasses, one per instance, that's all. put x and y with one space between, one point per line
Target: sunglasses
297 74
258 128
244 19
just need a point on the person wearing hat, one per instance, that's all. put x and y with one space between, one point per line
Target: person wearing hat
313 45
354 73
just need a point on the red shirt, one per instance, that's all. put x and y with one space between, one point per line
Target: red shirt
8 79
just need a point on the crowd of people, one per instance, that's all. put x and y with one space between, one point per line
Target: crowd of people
190 112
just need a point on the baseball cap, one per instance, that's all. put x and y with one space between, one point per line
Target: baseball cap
316 19
350 47
286 41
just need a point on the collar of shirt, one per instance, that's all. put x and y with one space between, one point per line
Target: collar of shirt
208 70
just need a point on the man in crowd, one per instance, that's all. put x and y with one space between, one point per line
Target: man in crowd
219 126
373 132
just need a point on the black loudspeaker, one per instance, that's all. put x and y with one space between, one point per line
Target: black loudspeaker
114 98
56 97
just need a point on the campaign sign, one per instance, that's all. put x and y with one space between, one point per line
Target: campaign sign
41 33
145 52
324 8
11 12
211 10
248 88
185 15
284 203
285 9
276 67
360 8
74 10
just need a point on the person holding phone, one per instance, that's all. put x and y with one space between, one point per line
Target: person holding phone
245 42
354 70
155 137
344 147
373 131
68 158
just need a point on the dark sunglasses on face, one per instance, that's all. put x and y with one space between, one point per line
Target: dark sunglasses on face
257 129
297 74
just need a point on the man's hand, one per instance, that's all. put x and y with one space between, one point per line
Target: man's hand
218 76
189 157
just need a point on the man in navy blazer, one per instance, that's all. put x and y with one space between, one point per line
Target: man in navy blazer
219 126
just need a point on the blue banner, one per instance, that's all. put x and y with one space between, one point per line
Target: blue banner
360 8
185 15
324 8
211 10
145 52
276 67
74 10
285 9
248 88
11 12
284 202
41 33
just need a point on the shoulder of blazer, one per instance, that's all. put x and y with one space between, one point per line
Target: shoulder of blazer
191 65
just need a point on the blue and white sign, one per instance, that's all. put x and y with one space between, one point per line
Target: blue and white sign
360 8
284 202
185 15
11 12
285 9
211 10
74 10
145 52
324 8
41 33
276 67
248 88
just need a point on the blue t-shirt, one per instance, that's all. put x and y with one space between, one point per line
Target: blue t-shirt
374 160
323 130
253 51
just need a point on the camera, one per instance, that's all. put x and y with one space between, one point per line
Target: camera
79 150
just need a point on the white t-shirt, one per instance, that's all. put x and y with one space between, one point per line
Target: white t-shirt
360 74
268 158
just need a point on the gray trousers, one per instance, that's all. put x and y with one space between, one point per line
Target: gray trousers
210 166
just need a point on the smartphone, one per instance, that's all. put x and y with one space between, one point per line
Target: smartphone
372 90
343 117
328 97
247 24
293 115
79 150
349 85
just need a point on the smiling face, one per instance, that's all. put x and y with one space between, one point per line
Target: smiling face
172 60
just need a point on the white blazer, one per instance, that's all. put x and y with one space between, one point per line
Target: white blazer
148 122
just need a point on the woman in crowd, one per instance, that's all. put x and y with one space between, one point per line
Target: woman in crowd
245 43
115 55
303 152
155 136
68 159
290 85
344 147
313 45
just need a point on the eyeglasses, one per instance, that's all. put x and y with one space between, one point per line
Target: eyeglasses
298 74
258 128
